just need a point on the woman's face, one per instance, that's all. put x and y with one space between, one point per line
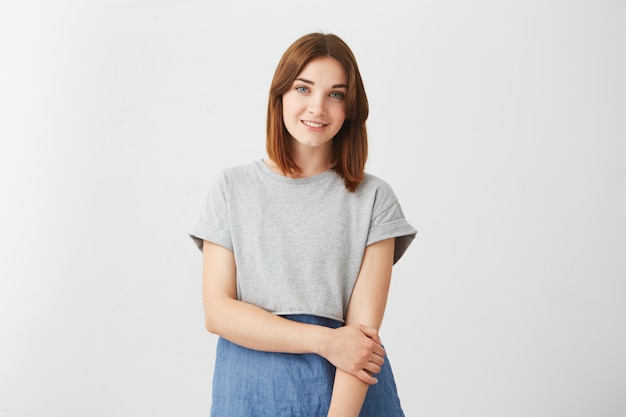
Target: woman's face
314 109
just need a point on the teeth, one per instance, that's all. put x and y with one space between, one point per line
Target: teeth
312 124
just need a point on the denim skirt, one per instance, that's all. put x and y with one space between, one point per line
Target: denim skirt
251 383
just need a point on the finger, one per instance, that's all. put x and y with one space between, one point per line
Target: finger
370 332
377 359
379 351
367 378
373 368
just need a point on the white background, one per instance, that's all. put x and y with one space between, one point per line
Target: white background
501 125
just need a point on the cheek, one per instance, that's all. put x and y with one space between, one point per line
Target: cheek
290 105
340 113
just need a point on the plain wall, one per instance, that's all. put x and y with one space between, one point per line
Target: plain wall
501 125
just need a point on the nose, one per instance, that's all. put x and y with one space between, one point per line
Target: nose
317 104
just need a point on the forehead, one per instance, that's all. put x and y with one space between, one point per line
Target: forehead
324 69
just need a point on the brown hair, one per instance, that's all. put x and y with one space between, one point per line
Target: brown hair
350 143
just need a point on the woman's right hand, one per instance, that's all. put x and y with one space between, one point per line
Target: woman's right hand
357 350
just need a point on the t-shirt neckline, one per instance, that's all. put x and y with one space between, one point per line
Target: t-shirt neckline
307 180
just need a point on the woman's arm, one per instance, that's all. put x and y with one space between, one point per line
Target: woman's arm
355 349
367 307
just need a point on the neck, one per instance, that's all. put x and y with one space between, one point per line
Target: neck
312 161
311 168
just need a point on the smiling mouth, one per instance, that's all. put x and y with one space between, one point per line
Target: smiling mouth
313 124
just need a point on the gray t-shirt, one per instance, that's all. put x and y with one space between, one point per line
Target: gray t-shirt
298 242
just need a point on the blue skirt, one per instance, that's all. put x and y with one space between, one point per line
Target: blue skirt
251 383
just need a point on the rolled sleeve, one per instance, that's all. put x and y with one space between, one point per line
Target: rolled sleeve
391 223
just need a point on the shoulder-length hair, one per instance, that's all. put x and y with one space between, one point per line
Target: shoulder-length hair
350 143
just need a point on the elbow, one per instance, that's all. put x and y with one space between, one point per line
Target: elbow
210 325
211 319
217 313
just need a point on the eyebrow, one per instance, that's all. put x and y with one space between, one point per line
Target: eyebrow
312 83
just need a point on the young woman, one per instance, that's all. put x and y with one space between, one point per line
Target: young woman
298 250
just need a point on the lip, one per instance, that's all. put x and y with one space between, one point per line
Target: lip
313 124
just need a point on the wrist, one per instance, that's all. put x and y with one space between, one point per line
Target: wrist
321 341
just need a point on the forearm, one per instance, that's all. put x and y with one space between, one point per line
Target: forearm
348 395
367 306
255 328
